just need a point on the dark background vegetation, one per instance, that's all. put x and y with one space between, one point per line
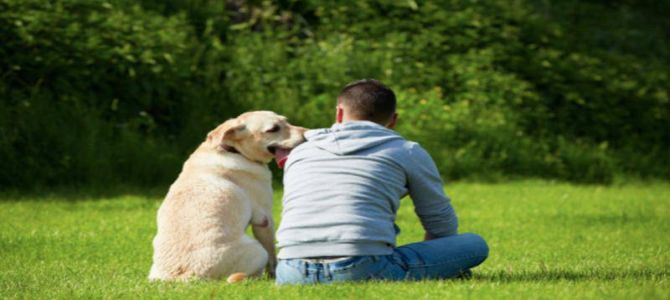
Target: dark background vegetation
120 91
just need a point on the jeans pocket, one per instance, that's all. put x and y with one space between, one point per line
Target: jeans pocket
368 268
388 269
351 263
289 273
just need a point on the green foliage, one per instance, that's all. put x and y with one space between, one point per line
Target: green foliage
93 93
98 91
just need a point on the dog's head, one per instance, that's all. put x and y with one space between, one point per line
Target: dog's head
257 135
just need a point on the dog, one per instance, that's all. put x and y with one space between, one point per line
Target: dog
224 186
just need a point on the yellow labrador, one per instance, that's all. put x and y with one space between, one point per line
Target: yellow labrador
224 186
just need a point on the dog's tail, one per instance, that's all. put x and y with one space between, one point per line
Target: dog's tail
236 277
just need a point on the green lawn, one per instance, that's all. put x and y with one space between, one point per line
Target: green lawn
547 240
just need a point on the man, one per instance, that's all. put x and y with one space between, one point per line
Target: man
342 190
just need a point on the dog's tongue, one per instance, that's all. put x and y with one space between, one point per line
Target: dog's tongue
281 155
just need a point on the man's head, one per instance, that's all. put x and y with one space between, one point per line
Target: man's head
369 100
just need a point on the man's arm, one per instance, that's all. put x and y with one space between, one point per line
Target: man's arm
427 191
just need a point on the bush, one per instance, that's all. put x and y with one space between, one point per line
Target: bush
96 92
93 92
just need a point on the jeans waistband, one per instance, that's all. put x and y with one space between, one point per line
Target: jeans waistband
337 263
325 259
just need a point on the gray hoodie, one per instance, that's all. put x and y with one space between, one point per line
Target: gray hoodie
342 189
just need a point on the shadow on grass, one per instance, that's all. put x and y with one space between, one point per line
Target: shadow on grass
89 192
83 193
571 276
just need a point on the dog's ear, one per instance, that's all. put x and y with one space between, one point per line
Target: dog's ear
228 131
233 133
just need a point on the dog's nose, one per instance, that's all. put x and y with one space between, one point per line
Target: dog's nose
301 130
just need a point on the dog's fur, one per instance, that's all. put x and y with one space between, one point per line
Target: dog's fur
224 186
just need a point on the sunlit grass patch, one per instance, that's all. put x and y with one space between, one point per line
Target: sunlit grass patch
547 240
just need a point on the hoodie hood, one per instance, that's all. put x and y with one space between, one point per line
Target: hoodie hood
349 137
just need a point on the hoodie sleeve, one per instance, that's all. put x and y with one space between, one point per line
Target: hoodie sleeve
427 192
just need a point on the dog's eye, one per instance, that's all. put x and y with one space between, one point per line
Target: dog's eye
273 129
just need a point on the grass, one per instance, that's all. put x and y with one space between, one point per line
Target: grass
547 240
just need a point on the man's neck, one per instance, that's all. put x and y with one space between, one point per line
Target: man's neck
346 120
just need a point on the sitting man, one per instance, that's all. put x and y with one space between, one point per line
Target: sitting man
342 190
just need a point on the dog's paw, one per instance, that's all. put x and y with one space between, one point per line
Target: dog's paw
270 271
236 277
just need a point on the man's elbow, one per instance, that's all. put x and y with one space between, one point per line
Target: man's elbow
442 228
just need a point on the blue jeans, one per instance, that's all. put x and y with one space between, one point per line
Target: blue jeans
440 258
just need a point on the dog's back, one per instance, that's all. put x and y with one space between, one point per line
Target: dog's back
203 214
224 186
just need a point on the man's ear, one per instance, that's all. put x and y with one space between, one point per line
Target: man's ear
339 115
394 120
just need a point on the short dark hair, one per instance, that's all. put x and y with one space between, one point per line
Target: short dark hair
368 99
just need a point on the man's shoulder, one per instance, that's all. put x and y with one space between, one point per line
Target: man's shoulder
304 146
405 152
412 147
416 153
